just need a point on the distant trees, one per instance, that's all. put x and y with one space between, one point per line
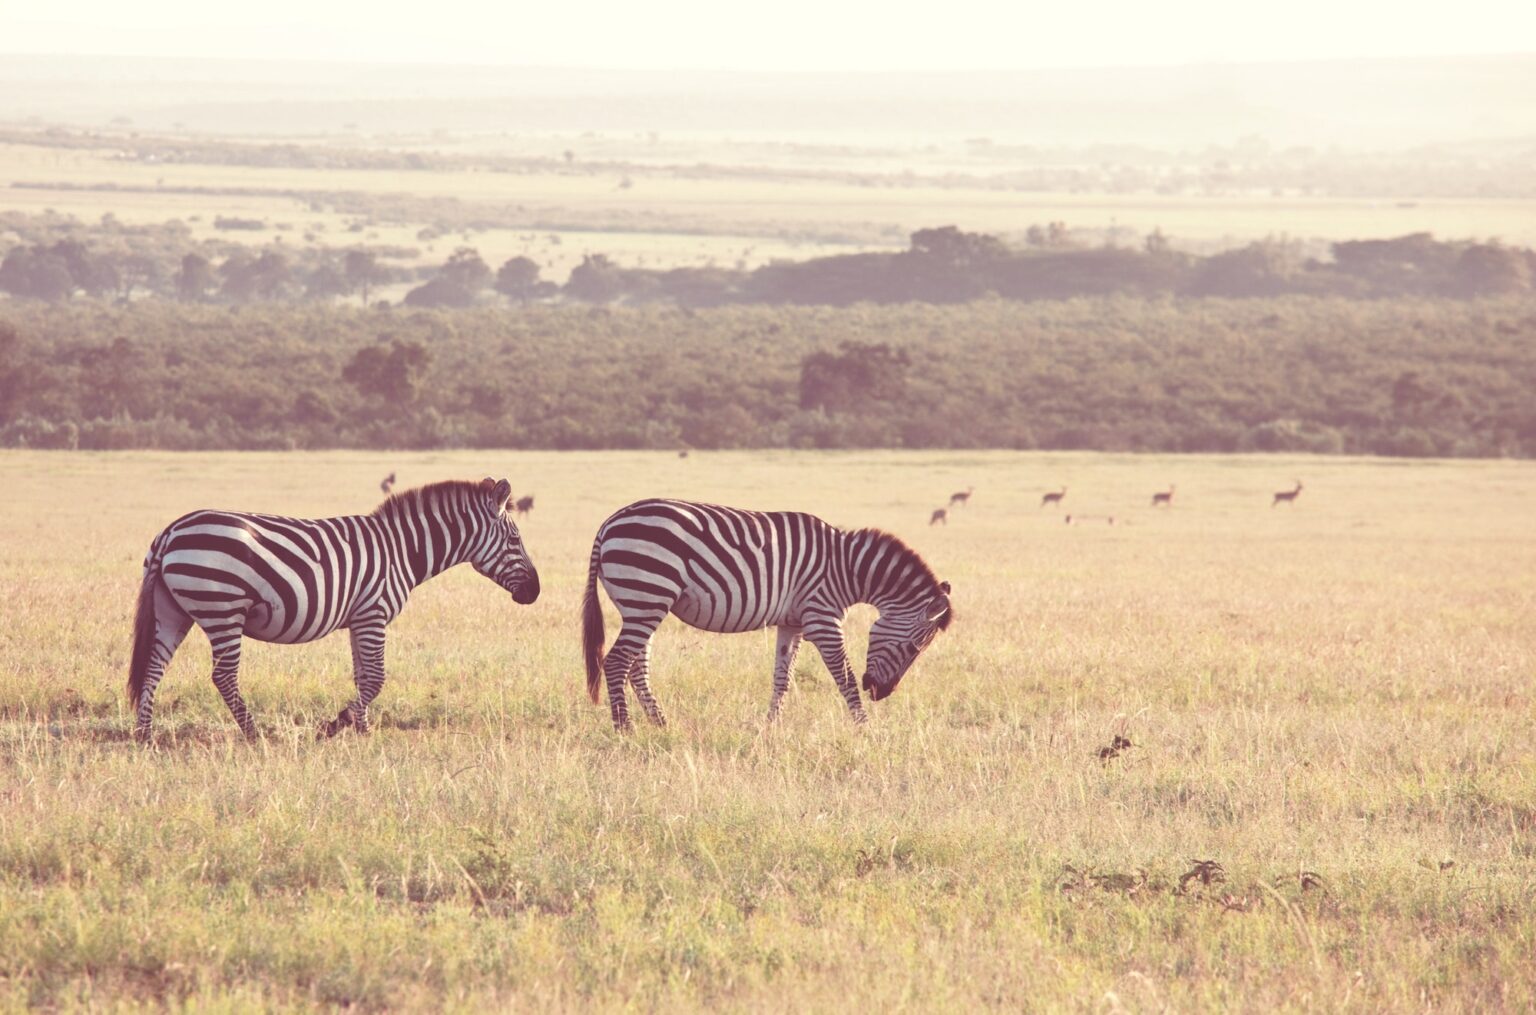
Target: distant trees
518 278
55 272
390 374
361 271
1488 269
1413 376
458 282
195 279
596 280
265 277
60 261
852 377
112 380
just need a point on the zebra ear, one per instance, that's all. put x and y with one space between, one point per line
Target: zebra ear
501 492
938 606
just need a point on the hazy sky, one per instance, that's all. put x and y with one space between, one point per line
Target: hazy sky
858 35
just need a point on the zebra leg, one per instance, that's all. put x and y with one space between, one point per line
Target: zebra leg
615 671
639 670
367 670
828 639
634 638
367 676
171 627
226 677
783 665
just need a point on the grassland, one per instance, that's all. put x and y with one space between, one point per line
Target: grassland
1333 702
666 218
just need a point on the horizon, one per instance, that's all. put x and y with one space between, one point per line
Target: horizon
980 71
801 36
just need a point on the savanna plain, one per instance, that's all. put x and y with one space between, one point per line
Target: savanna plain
1328 800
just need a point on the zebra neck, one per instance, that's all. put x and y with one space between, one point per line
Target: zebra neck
877 569
425 543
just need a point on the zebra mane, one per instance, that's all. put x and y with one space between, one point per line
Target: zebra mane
408 501
905 554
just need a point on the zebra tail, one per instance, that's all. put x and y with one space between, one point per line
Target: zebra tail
143 634
592 630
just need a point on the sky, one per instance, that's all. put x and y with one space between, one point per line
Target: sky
780 35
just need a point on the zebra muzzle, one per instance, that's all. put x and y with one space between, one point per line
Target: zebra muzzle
526 592
877 691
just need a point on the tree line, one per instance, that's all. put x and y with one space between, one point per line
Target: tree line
1411 376
942 265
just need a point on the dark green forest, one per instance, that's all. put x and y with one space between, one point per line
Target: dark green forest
1413 375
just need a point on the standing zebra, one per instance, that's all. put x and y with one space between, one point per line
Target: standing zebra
297 579
726 570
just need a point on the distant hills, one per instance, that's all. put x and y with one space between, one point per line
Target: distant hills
1350 104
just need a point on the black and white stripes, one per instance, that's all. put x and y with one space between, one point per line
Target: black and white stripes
727 570
294 579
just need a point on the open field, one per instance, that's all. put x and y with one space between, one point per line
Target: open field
666 219
1332 701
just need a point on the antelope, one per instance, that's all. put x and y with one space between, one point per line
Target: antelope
1165 497
939 515
524 504
963 497
1288 496
1053 497
387 484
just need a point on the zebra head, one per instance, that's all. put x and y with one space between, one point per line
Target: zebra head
502 557
899 636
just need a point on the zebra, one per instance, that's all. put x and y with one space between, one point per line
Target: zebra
298 579
728 570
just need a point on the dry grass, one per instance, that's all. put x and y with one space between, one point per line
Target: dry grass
1328 799
654 219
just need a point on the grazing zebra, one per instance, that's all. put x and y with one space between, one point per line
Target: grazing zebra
297 579
726 570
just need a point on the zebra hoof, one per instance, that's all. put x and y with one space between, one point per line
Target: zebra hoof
342 721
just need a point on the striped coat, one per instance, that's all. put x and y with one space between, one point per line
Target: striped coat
728 570
290 580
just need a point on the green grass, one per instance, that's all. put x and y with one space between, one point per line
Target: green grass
1342 688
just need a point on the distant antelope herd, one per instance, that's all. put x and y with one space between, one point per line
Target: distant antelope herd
1160 498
